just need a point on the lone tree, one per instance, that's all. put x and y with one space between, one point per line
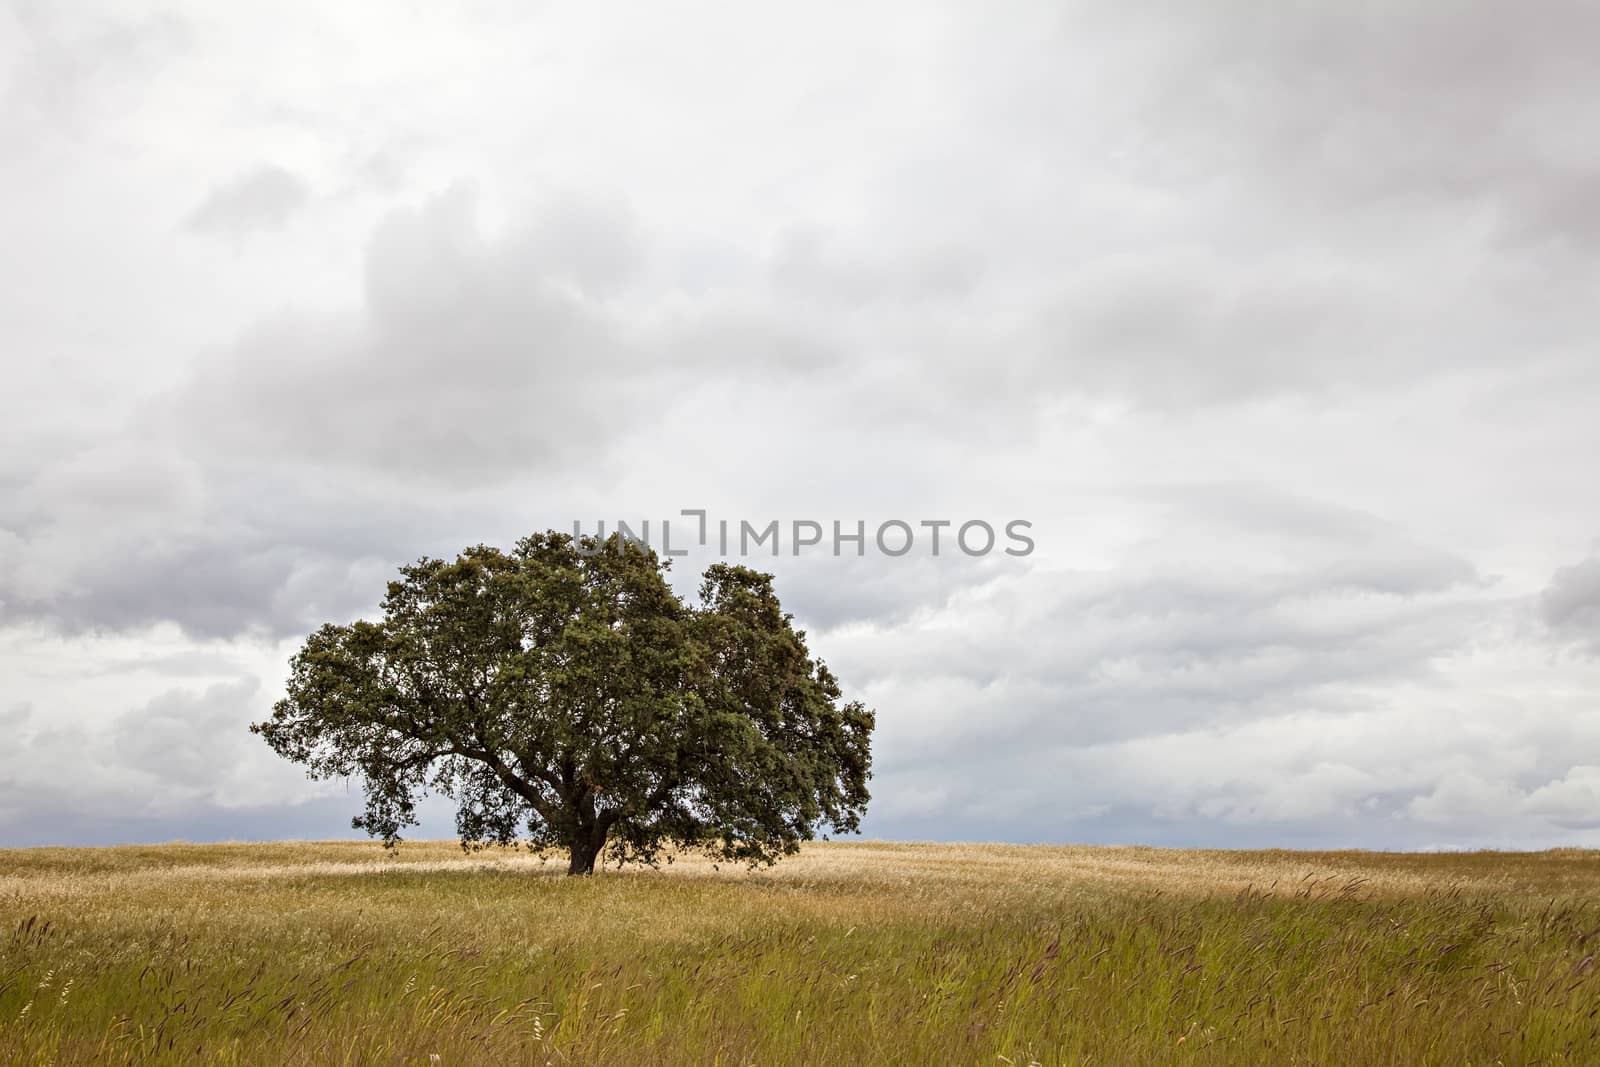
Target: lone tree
562 693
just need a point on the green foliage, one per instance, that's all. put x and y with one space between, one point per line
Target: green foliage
564 695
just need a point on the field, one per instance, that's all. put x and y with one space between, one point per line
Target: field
858 953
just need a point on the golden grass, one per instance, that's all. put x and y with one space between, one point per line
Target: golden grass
859 953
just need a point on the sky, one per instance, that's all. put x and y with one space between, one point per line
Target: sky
1276 324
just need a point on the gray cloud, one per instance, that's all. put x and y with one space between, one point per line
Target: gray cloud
15 716
807 265
1570 604
185 738
73 69
476 357
1277 327
1210 206
234 556
180 751
264 198
1426 111
828 592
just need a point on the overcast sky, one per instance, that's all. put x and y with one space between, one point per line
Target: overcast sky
1278 326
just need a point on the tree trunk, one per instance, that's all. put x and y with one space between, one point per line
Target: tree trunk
589 831
584 853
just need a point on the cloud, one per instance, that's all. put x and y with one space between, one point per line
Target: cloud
829 592
1434 111
184 738
1276 327
125 536
1570 604
477 356
232 558
264 198
182 750
810 264
14 717
72 68
1308 676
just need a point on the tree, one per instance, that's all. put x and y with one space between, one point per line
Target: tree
562 693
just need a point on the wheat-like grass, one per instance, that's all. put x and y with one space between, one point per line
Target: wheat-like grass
865 952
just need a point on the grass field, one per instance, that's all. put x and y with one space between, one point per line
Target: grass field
847 954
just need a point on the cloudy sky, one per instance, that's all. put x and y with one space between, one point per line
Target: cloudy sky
1278 326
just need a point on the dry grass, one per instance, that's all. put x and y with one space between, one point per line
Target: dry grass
849 953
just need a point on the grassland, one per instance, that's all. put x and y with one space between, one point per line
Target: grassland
847 954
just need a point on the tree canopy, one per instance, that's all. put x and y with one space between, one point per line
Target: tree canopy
564 695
